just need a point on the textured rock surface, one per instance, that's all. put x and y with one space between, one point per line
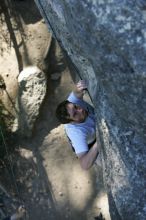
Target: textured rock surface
24 41
32 90
106 40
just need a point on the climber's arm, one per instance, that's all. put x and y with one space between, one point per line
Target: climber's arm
88 158
80 88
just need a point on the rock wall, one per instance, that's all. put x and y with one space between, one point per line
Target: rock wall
106 41
31 93
24 42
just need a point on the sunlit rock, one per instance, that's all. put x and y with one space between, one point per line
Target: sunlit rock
32 90
106 42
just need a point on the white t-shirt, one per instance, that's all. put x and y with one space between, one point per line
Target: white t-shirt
81 134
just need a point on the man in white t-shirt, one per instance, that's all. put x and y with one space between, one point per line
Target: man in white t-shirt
79 119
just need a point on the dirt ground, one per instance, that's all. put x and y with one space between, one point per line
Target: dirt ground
46 176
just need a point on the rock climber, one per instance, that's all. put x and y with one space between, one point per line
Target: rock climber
79 121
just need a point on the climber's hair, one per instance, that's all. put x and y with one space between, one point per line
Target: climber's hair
62 113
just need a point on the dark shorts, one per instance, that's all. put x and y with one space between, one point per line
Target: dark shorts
7 218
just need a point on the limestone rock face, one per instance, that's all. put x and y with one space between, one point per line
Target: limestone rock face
32 90
106 41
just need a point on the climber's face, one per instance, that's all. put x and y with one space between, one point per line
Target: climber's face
76 113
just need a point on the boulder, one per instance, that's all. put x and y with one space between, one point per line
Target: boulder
31 93
106 43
